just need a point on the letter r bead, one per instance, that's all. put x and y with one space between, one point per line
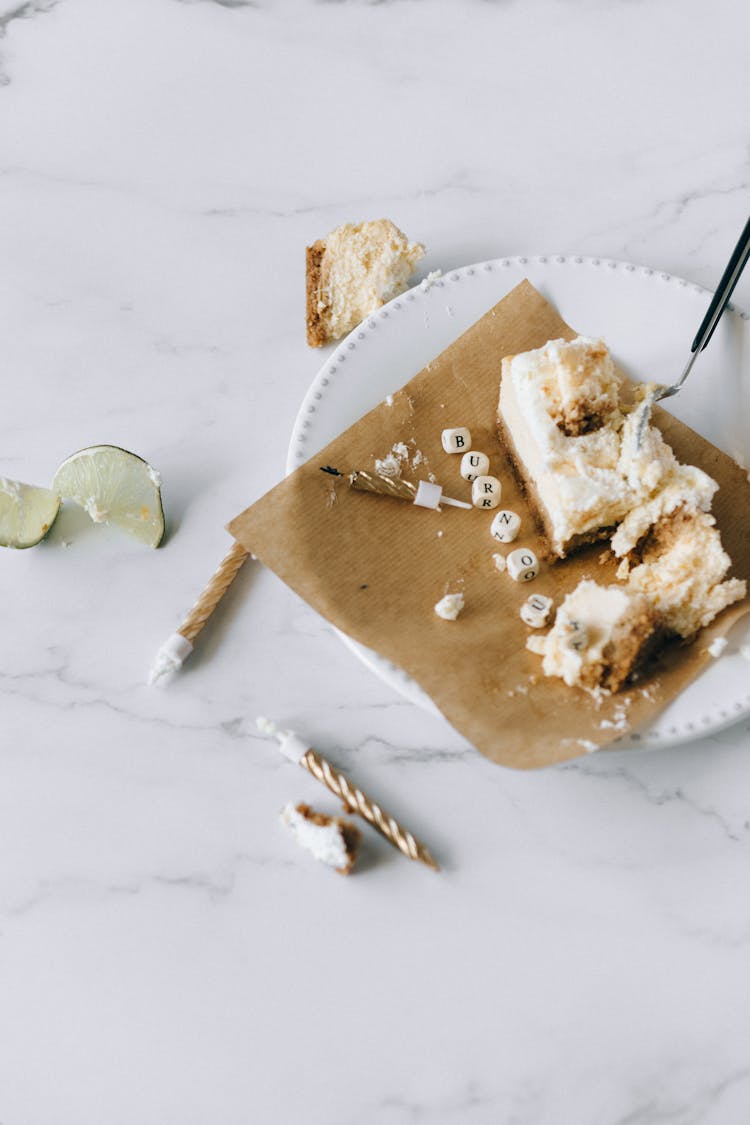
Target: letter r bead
485 492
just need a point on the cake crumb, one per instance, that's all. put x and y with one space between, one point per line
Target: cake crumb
433 277
499 561
392 464
330 839
389 400
450 606
619 720
717 646
388 466
440 535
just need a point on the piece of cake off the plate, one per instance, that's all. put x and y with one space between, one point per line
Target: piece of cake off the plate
352 272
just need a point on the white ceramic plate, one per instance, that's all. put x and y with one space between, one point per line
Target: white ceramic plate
647 318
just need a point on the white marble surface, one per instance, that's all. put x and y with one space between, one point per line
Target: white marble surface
167 955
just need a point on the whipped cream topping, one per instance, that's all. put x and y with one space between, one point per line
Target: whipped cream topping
598 478
324 841
450 606
590 610
683 577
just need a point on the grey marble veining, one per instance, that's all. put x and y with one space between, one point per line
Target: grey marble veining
167 955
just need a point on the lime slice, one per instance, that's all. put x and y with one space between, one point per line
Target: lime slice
115 487
26 513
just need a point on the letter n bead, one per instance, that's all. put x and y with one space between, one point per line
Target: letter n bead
505 526
457 440
485 492
523 565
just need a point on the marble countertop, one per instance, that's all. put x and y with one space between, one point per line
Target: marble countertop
167 955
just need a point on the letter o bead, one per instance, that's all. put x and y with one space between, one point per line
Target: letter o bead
474 464
457 440
485 492
523 565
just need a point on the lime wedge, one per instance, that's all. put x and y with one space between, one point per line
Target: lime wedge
26 513
115 487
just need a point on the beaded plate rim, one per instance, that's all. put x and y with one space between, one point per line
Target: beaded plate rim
717 717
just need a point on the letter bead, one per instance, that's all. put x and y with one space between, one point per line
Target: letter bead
474 464
576 636
457 440
523 565
535 611
485 492
505 526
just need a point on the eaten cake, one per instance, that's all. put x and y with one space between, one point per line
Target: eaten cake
574 450
600 638
679 564
588 474
352 272
330 839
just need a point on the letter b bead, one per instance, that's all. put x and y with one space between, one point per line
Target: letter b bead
457 440
485 492
523 565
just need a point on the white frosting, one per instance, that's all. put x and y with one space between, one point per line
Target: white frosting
595 479
592 609
683 484
685 582
432 279
324 841
450 606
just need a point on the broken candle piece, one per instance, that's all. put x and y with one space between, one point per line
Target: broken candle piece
424 494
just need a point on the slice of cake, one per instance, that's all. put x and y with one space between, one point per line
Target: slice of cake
680 565
600 639
573 445
331 839
352 272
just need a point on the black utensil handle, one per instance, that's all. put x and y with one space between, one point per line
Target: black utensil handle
724 290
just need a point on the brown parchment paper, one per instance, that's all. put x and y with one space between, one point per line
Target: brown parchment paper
375 567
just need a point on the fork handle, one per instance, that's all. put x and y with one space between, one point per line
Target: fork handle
724 290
